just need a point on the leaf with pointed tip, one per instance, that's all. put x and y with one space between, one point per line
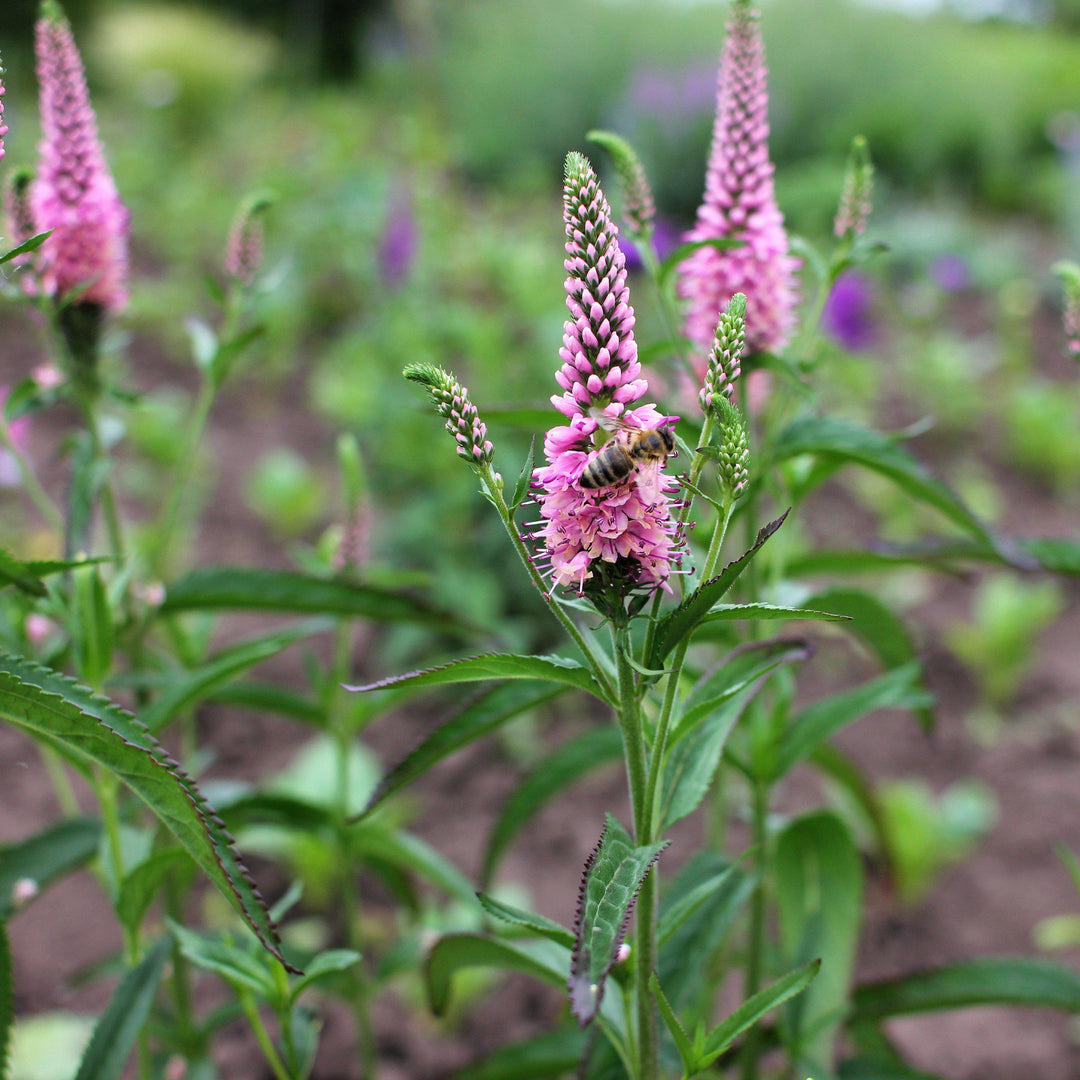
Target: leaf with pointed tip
572 760
46 856
734 673
547 928
26 246
674 626
115 1033
479 716
697 909
326 963
848 442
7 999
877 626
553 1054
58 710
692 761
612 877
190 686
14 572
254 589
727 612
996 980
239 967
524 477
684 251
452 952
555 669
819 888
682 1041
753 1009
900 688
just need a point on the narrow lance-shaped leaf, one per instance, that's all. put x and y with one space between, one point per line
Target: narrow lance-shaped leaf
253 589
46 856
25 247
63 713
674 626
479 716
555 669
753 1009
687 1053
839 439
998 980
115 1033
896 689
528 920
612 877
572 760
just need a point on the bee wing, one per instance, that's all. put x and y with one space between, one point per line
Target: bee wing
611 424
648 479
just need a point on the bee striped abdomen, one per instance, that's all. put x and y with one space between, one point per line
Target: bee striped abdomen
609 466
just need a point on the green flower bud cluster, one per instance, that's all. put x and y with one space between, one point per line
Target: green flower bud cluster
452 402
733 448
725 360
639 208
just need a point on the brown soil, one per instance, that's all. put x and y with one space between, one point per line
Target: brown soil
987 904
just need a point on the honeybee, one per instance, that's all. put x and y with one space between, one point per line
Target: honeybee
630 448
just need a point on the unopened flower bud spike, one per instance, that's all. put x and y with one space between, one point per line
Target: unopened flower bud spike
639 207
855 205
1069 275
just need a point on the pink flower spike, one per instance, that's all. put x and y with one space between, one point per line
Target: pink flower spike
3 126
74 194
611 539
740 204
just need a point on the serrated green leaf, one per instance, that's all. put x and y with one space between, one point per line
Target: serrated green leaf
60 711
453 952
613 875
692 761
733 673
140 886
553 1054
326 963
7 1000
46 856
540 925
26 246
674 626
236 965
253 589
819 884
840 439
999 980
753 1009
896 689
728 612
477 717
187 687
555 669
115 1033
572 760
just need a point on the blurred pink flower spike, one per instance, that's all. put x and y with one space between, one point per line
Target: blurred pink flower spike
740 204
1069 275
3 126
74 195
620 537
244 247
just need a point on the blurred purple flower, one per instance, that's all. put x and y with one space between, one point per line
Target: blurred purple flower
951 272
397 245
665 240
848 314
676 97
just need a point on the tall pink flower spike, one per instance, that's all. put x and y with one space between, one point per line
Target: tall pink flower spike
626 525
3 126
740 204
74 193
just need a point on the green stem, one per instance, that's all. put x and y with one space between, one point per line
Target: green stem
37 494
262 1036
110 816
645 950
494 490
755 960
61 782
